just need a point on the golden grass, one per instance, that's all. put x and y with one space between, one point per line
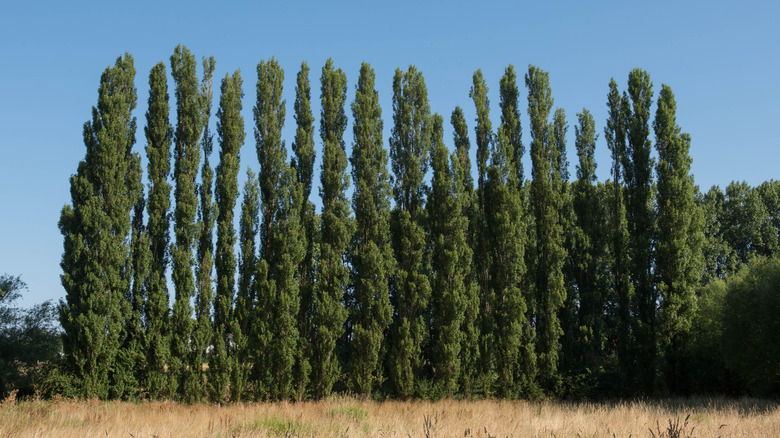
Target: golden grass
349 417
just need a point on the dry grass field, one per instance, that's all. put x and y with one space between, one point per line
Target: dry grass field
349 417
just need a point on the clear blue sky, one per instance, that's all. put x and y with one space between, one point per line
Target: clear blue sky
722 59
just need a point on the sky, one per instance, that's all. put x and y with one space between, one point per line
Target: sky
721 59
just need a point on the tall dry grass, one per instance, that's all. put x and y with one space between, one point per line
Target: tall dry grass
349 417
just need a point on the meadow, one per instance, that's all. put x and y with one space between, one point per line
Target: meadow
351 417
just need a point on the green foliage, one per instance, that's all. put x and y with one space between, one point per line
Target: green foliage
230 128
186 160
303 162
245 297
336 231
371 255
410 145
484 134
450 264
158 151
680 238
28 338
547 197
96 230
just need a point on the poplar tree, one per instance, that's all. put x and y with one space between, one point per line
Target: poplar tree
469 350
484 137
410 144
247 266
586 306
303 162
371 256
228 336
186 161
615 135
336 230
510 194
204 298
547 200
680 238
638 167
451 262
282 247
159 133
96 230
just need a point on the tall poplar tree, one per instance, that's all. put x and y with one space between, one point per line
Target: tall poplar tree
247 267
586 339
372 255
680 238
510 196
96 230
484 137
615 135
204 296
638 168
336 231
227 333
469 351
547 201
451 262
186 160
282 247
159 133
303 162
410 144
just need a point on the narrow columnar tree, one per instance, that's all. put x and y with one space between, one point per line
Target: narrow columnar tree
484 134
410 144
282 250
131 360
450 264
186 160
371 256
638 168
680 238
247 266
228 337
615 135
336 231
269 112
159 133
586 255
96 230
469 351
303 162
547 201
204 297
510 154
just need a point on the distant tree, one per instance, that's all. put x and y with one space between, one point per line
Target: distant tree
158 152
371 256
336 230
228 336
410 144
96 229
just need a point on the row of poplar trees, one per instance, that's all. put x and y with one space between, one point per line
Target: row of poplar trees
424 285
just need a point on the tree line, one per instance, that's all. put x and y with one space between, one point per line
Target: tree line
426 283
